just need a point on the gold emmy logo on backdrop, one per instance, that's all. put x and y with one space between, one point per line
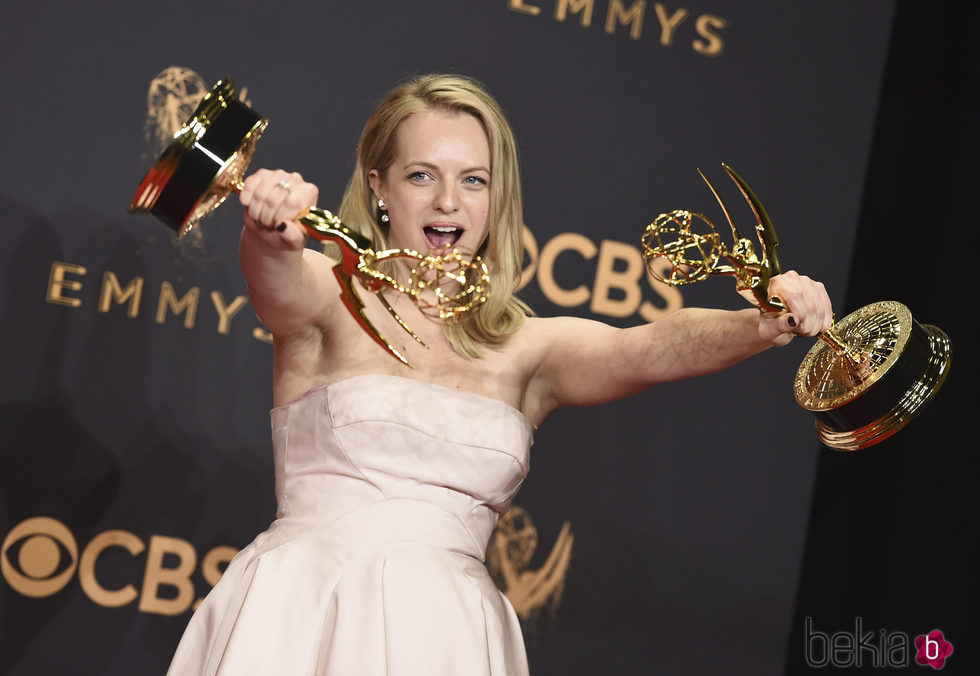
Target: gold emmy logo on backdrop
874 370
512 545
206 161
171 98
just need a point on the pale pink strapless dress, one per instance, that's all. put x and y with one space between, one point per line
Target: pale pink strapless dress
388 490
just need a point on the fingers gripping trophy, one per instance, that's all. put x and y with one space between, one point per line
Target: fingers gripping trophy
869 375
207 160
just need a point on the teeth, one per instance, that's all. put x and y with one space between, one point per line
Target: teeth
444 228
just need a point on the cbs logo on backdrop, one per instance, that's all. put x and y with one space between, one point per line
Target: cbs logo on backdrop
40 556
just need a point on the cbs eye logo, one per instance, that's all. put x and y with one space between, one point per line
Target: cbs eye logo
39 556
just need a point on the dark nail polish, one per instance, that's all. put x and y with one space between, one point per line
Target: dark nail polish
282 226
792 320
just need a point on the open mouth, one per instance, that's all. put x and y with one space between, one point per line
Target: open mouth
442 236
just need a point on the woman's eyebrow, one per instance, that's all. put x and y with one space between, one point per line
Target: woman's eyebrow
429 165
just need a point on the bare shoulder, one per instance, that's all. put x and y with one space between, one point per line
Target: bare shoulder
552 349
544 335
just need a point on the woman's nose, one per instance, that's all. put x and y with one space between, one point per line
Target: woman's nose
447 199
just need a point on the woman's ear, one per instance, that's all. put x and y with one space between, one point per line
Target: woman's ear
374 180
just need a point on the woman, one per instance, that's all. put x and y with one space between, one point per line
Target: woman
390 480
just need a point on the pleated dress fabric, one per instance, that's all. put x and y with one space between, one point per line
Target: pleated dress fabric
388 490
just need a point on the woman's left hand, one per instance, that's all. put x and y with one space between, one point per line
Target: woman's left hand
808 309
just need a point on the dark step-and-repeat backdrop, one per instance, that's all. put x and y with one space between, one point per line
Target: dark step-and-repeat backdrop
135 457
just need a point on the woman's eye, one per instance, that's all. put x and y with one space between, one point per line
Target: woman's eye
418 176
476 180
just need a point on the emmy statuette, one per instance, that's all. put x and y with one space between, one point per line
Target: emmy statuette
869 375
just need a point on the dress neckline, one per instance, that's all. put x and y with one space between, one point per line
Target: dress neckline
423 383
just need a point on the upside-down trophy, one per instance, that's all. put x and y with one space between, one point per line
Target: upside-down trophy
206 161
874 370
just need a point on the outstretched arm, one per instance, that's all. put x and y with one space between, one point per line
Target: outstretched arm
587 362
288 284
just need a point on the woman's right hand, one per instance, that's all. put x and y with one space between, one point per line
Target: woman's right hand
272 200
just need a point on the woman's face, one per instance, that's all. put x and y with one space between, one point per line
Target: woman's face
437 189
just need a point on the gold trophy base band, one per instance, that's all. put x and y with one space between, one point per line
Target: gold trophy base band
908 407
857 405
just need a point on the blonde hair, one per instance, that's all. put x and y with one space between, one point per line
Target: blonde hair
492 323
